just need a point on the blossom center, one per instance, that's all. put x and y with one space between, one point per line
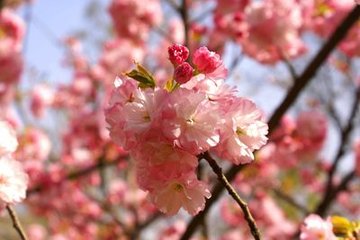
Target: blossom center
2 180
147 118
131 98
2 33
240 132
190 121
178 187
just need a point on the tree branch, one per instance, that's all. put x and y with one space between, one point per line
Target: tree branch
185 18
215 195
290 201
314 65
243 205
330 193
16 222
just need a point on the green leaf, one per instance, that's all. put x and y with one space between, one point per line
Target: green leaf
143 76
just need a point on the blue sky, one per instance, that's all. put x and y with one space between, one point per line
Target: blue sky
51 20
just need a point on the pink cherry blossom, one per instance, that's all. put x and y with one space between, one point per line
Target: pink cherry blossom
190 122
350 45
178 54
12 30
209 63
183 73
13 181
36 232
311 129
159 161
11 68
185 191
229 18
174 231
273 30
8 141
139 17
244 132
42 97
315 228
34 144
132 119
117 57
327 15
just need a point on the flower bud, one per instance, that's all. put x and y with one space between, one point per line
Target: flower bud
183 73
206 61
178 54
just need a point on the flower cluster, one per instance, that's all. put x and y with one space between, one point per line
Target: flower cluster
297 140
13 179
267 31
139 17
165 127
12 31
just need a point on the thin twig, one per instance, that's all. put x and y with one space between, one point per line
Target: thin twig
215 195
290 201
243 205
173 4
314 65
288 64
16 223
329 193
345 133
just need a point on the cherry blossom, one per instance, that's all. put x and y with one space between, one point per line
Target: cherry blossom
274 28
13 181
8 141
139 17
315 228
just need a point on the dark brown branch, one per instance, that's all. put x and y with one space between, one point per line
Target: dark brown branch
185 19
16 223
314 65
242 204
135 233
345 134
173 4
330 194
290 98
215 195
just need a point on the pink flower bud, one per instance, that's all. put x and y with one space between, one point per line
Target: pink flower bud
178 54
206 61
183 73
